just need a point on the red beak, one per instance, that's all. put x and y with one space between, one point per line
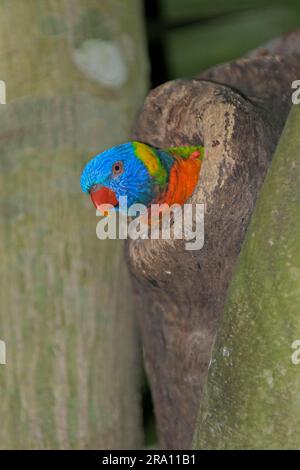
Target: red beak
103 195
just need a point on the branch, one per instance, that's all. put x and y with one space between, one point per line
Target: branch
181 294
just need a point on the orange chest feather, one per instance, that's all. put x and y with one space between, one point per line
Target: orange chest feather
183 179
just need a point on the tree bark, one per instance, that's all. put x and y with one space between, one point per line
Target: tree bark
75 73
237 111
252 396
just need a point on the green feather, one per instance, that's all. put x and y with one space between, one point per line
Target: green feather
185 151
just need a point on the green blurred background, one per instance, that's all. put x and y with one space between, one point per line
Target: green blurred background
188 36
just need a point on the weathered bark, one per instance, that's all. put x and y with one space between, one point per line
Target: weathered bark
75 73
237 111
252 396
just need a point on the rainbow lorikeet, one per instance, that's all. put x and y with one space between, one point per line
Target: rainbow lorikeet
142 173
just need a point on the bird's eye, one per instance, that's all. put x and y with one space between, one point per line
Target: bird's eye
117 168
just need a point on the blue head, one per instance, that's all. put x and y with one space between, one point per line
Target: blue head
117 172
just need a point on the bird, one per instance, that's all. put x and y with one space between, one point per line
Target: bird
143 173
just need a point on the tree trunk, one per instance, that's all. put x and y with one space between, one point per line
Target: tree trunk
237 111
252 396
75 73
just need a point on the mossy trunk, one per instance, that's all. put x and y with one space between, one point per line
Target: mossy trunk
75 73
252 396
